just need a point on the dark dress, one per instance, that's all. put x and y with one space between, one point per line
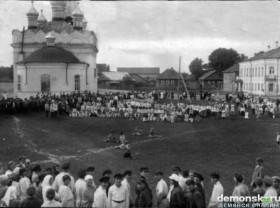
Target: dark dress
143 199
194 200
176 198
30 202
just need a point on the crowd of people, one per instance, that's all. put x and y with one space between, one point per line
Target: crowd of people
144 106
28 185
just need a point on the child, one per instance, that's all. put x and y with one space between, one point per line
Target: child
65 193
51 202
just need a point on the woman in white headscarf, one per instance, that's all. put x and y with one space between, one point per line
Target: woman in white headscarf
11 197
46 185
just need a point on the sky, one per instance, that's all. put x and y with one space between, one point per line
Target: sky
156 34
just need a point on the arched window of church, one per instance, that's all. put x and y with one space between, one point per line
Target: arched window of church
77 82
45 82
19 82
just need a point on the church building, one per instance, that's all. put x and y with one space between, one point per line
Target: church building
55 56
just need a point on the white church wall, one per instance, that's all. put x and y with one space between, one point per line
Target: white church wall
57 73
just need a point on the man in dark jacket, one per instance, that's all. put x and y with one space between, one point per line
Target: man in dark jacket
30 201
176 195
193 198
143 198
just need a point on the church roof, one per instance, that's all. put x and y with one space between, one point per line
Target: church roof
51 55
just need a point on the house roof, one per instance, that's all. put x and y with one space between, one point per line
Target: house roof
115 76
211 75
139 70
168 74
274 53
49 54
234 68
137 78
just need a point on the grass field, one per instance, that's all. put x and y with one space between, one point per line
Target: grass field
210 145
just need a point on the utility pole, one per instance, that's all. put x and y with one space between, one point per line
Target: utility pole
179 75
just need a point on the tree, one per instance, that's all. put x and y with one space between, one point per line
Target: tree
196 67
242 57
222 58
127 80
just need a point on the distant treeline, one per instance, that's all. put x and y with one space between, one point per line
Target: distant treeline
6 74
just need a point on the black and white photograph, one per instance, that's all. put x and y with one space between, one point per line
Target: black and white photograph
140 104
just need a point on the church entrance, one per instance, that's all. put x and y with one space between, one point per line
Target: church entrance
45 82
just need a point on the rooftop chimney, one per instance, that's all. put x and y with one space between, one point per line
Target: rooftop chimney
276 43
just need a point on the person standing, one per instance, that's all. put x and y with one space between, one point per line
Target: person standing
31 200
47 109
107 173
80 187
143 198
65 193
269 191
90 171
176 195
217 191
161 190
24 183
240 188
89 192
126 182
193 198
51 202
258 171
100 196
259 190
276 184
58 181
118 196
278 140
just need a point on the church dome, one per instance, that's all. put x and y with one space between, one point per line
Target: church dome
42 19
78 12
32 11
51 55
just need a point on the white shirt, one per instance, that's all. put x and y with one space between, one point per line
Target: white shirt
52 203
100 198
66 196
126 184
218 190
162 188
270 192
118 194
80 187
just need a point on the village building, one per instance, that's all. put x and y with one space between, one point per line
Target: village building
260 74
147 73
211 80
229 78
